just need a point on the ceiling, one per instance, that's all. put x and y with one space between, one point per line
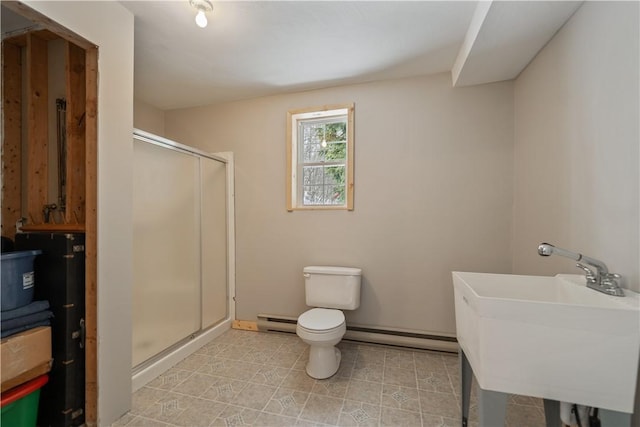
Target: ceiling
258 48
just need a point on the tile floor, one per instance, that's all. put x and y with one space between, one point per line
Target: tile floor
253 378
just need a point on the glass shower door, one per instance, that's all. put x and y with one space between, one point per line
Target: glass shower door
166 249
214 241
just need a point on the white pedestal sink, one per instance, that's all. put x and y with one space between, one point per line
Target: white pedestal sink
549 337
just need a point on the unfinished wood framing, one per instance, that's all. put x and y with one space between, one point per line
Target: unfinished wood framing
11 138
91 236
76 99
47 23
82 142
37 127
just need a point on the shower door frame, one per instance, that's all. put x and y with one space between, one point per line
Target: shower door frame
150 369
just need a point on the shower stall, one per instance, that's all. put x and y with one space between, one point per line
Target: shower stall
182 251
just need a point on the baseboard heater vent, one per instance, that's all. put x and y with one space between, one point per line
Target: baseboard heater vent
367 334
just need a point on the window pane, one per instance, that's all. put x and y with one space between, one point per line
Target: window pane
323 141
323 185
313 195
317 195
334 195
334 175
313 175
313 153
323 175
313 135
335 151
336 131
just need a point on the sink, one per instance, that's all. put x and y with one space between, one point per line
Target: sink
549 337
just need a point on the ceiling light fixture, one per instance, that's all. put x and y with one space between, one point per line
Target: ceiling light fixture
203 6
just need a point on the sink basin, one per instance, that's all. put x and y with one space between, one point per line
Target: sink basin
549 337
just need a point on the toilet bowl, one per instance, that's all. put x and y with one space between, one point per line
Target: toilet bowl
330 290
322 329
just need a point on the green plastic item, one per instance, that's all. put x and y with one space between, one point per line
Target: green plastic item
20 404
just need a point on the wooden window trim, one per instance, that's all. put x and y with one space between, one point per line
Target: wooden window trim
292 162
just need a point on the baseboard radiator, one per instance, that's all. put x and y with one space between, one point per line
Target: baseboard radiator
368 334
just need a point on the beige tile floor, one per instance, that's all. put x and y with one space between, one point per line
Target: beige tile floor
253 378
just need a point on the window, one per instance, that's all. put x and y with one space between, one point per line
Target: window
320 158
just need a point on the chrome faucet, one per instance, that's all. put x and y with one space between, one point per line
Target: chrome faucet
600 279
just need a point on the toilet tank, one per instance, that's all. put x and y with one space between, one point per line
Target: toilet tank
332 287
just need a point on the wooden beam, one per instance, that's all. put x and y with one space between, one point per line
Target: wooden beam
47 23
11 138
19 37
37 126
54 228
91 236
76 98
244 325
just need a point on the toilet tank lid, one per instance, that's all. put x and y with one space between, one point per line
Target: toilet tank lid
325 269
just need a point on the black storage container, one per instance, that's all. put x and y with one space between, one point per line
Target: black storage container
59 275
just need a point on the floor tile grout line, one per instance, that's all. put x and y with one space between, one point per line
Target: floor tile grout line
356 351
418 392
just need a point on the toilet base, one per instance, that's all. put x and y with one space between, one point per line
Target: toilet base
323 361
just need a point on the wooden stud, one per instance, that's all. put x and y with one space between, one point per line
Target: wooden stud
244 325
19 37
90 161
47 23
91 243
11 138
76 97
37 126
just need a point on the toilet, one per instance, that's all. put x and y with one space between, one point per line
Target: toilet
330 290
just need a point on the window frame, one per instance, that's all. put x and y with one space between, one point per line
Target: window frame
292 178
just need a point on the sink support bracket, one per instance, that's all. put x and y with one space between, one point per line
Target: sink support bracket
466 376
492 405
552 412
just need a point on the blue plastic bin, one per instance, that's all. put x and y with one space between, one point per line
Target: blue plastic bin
18 279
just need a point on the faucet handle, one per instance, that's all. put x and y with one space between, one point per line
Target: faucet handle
591 275
611 279
611 282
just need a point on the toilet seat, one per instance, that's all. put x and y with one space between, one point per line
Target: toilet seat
318 320
322 329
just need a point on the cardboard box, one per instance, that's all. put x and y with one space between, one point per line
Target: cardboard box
24 351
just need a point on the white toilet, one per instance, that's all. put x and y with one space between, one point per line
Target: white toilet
331 289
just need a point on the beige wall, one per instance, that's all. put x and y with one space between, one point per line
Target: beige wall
148 118
577 145
434 168
110 26
433 193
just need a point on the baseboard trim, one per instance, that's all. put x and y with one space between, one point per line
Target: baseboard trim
368 334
